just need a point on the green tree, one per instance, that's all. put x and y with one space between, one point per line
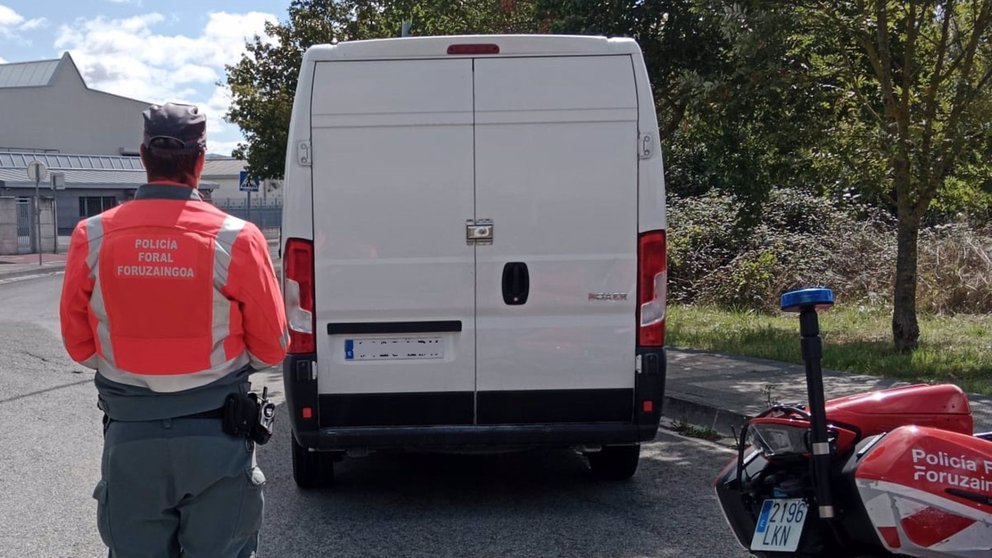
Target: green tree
263 82
739 111
680 48
757 120
917 75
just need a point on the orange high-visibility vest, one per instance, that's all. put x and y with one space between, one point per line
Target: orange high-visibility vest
169 293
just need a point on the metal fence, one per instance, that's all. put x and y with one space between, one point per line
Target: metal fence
27 233
265 214
25 217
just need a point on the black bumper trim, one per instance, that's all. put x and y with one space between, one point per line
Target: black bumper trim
555 406
440 437
455 408
396 409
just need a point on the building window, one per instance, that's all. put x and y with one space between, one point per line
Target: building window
94 205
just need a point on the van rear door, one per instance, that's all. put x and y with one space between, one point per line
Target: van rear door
392 190
556 172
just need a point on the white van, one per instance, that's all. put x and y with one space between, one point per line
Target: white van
474 250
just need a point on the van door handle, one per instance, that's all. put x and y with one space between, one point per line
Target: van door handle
516 283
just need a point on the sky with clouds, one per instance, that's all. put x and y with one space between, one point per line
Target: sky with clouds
149 50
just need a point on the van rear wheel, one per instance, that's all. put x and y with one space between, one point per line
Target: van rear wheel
312 469
614 462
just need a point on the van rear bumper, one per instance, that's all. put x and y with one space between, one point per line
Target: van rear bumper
467 437
562 418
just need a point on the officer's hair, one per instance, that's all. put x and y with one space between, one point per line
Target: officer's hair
178 165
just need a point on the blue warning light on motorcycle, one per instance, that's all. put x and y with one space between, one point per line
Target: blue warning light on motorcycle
795 301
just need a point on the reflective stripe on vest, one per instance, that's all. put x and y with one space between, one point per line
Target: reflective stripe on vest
94 234
172 383
223 245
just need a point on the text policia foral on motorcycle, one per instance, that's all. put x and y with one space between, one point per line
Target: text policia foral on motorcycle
923 459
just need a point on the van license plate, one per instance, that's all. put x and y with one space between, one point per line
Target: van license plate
780 525
394 348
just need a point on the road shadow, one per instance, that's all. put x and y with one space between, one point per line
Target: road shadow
533 503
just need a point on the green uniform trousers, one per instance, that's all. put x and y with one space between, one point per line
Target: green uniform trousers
178 488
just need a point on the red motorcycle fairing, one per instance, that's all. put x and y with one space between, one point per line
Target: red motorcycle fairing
928 492
942 406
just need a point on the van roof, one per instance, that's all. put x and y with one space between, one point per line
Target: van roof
433 47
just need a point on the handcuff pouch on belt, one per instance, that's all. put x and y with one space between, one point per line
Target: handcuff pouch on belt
249 416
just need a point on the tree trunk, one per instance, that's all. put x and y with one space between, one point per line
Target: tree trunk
905 328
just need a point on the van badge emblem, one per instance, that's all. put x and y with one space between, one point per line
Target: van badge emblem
608 296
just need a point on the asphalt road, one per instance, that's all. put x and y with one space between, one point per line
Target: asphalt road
539 503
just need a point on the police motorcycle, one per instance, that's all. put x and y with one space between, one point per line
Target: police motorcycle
895 472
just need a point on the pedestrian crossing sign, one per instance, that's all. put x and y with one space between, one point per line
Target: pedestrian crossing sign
247 183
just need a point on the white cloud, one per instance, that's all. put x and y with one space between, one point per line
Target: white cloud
193 73
32 24
127 57
13 23
217 104
2 60
221 147
8 17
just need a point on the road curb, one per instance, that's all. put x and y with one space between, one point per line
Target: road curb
687 409
23 273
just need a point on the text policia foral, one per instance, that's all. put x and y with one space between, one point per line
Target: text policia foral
957 476
152 255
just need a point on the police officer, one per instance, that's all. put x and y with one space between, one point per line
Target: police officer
174 303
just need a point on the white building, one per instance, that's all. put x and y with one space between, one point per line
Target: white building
88 137
226 173
47 107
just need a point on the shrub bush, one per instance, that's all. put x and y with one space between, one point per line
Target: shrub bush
803 240
955 269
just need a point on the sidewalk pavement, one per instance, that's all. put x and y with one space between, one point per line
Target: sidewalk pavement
719 391
26 265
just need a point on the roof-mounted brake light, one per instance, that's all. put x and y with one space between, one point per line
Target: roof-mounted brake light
474 49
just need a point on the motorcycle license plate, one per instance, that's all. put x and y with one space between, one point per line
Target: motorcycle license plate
780 525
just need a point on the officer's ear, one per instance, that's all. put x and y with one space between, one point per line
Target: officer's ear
200 161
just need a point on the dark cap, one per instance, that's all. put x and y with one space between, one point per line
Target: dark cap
178 127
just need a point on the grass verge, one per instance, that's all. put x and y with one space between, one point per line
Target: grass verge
955 349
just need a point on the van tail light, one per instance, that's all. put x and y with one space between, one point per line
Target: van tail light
652 280
298 294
